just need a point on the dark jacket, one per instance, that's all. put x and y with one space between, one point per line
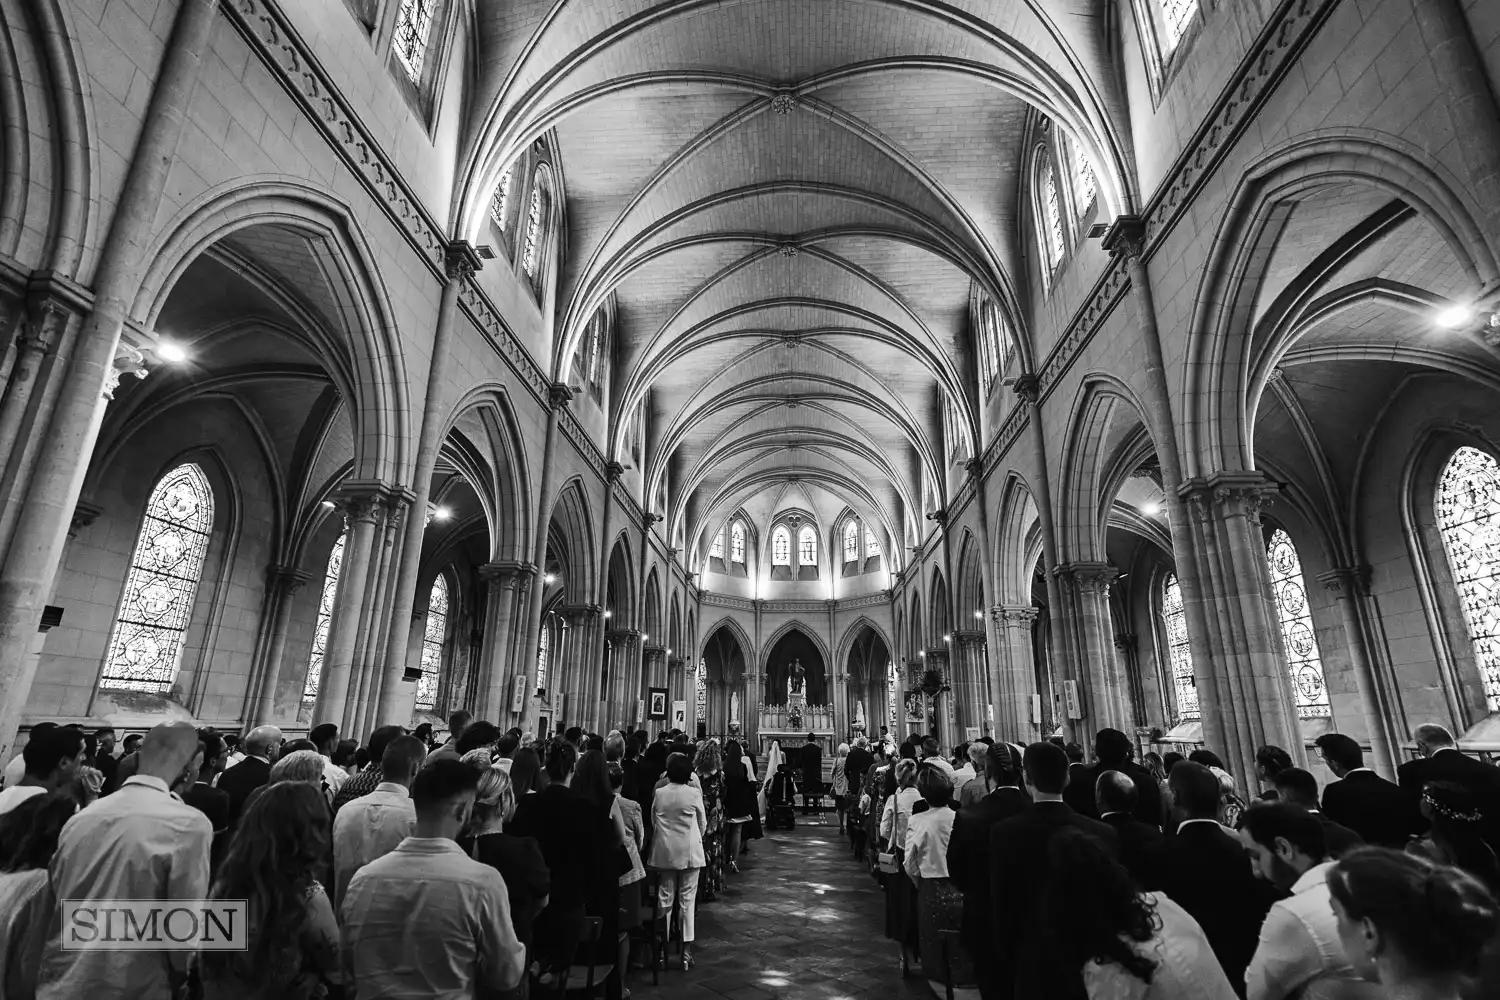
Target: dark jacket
969 859
1018 872
1080 791
1481 779
1208 874
1376 809
211 802
1338 838
576 840
240 780
855 766
1143 850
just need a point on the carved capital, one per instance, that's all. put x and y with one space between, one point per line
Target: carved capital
1228 494
1149 469
1089 577
507 572
287 579
613 471
1126 238
559 394
46 317
1029 388
1021 616
974 467
460 261
128 361
1350 581
969 638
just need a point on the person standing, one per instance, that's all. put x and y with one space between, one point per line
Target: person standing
426 920
1142 847
28 839
373 825
368 779
262 745
105 759
1442 760
140 843
1300 788
325 738
680 822
1455 837
939 903
52 760
709 770
1362 800
458 723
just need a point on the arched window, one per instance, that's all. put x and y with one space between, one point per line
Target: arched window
737 543
413 25
535 219
1177 15
593 369
1049 213
781 546
157 606
807 546
851 541
500 204
1297 628
543 651
1085 185
1468 517
989 356
433 637
716 550
872 546
1174 618
325 620
702 690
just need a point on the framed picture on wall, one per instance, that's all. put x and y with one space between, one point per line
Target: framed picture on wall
656 703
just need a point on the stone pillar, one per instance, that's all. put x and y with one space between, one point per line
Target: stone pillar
35 547
1102 686
47 317
970 681
491 695
282 585
596 688
583 627
368 649
1127 651
1014 679
362 509
459 264
1351 586
558 397
1459 69
653 666
1244 692
624 692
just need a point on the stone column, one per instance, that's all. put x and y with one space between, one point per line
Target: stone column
365 682
1127 651
583 625
282 585
1244 692
1014 679
612 473
35 546
624 691
362 509
1102 686
1351 586
1458 66
972 686
47 318
491 695
558 397
459 264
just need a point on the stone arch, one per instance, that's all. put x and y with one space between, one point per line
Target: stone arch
1017 540
969 596
792 640
852 632
1217 382
573 523
651 610
367 363
508 491
731 625
940 613
619 590
1107 434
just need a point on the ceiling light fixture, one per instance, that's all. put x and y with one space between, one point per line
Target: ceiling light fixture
1454 316
1151 507
171 352
441 514
608 613
329 504
979 615
948 637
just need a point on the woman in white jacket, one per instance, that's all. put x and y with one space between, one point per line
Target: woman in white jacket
680 821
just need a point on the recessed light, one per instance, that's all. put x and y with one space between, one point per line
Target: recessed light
549 578
441 514
171 352
1151 507
1454 316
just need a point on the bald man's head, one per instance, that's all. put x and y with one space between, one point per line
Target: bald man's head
262 740
1115 792
168 751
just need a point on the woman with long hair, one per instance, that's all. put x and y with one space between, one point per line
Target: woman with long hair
1420 929
28 839
519 860
1096 937
1456 837
739 802
526 772
708 765
278 847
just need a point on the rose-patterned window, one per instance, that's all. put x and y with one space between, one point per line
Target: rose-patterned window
1174 618
146 644
433 637
1468 517
325 620
1297 628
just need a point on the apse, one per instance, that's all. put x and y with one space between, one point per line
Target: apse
796 646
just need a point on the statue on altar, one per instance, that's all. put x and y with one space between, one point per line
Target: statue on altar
796 678
734 706
859 716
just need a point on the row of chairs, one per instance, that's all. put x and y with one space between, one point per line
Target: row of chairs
587 980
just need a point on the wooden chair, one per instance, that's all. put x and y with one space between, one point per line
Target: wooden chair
564 982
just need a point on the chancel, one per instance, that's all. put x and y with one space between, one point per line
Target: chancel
915 380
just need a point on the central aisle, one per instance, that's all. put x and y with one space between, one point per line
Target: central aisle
802 920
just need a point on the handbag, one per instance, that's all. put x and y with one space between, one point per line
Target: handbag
887 862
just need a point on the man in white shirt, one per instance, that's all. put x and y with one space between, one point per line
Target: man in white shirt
326 738
372 825
51 759
467 945
932 755
142 842
971 755
1299 940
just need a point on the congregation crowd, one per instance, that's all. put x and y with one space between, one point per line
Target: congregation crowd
1032 873
486 865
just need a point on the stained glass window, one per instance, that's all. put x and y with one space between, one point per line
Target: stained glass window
534 230
500 204
989 357
325 620
1084 183
1297 628
1177 14
413 24
872 547
1468 516
701 709
1174 617
851 541
1052 235
891 695
596 344
146 644
717 548
544 645
737 542
781 547
433 637
807 546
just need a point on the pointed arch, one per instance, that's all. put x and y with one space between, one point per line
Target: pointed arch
969 596
619 591
732 626
508 490
573 523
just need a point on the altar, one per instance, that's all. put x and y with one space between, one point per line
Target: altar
791 723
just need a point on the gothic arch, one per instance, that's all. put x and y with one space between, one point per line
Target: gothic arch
969 595
940 612
822 694
734 628
573 520
651 611
1107 435
1016 529
508 492
852 632
619 588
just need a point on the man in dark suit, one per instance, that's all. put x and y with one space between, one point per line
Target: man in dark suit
969 862
1142 847
261 746
856 764
1443 761
1376 809
1018 871
1300 788
1113 749
1209 875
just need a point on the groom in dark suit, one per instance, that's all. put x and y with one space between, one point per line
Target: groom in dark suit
1362 800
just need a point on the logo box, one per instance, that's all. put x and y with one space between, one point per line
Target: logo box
155 925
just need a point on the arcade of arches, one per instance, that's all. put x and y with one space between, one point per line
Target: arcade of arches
754 367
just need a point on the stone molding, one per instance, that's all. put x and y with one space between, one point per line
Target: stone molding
1222 493
508 571
1088 577
1351 580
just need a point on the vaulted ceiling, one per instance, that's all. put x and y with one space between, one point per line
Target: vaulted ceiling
793 204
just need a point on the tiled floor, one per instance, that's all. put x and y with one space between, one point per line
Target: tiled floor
803 921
